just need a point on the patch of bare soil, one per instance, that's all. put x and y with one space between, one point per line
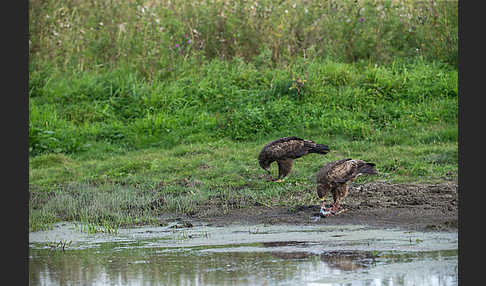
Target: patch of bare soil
418 207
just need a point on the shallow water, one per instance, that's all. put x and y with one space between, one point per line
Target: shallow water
244 255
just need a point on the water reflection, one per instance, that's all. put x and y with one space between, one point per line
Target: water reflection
110 265
347 260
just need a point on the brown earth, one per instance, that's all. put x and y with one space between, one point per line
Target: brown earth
420 207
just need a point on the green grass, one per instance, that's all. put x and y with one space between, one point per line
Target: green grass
124 126
113 147
139 186
118 111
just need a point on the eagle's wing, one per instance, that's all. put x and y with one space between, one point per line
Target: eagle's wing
287 147
285 139
345 171
350 169
328 173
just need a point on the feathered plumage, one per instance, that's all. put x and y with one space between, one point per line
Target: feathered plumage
285 150
335 176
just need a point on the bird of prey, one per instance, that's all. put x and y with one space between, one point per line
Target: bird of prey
284 151
335 176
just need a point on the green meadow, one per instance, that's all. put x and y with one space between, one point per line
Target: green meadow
142 108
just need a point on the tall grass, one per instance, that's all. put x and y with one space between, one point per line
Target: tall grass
154 37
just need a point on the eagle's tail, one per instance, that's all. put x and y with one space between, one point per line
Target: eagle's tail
317 148
368 168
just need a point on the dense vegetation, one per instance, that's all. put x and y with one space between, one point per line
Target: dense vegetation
155 37
173 100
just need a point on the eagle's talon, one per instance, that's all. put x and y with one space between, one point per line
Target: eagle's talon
335 209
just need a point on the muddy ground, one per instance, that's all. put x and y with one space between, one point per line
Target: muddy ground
419 207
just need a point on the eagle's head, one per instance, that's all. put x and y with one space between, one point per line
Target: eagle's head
265 165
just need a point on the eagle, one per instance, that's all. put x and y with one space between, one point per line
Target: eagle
284 151
335 176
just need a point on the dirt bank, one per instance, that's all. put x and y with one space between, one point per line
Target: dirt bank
418 207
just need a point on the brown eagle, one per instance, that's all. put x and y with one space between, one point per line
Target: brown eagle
335 176
284 151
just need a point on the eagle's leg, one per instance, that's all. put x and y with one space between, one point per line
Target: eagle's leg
284 167
335 208
339 194
321 193
336 205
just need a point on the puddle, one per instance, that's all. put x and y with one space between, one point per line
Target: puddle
244 255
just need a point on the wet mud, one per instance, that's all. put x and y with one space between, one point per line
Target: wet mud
421 207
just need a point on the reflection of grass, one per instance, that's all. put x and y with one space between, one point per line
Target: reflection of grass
181 235
92 228
375 254
399 256
186 234
417 240
62 245
253 231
